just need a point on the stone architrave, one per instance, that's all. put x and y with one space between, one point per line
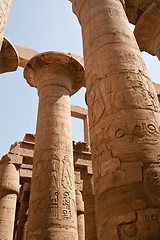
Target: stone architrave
9 188
52 206
5 7
124 120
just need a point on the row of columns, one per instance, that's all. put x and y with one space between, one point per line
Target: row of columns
124 131
124 123
17 158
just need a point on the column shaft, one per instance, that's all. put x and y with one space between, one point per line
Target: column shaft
23 213
9 187
80 215
124 124
81 229
89 207
52 207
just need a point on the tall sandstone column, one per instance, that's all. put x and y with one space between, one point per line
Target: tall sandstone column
89 204
9 188
5 7
23 213
52 207
124 124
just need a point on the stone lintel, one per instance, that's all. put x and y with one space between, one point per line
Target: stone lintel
25 54
87 171
29 138
81 147
55 59
12 158
8 57
24 149
25 173
78 112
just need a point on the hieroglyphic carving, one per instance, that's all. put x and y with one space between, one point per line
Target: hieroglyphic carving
5 6
55 203
60 184
67 186
51 168
66 212
147 226
152 182
66 178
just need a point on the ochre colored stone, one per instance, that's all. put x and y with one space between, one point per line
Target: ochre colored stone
4 13
52 206
124 118
9 188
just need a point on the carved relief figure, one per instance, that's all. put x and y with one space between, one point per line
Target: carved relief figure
54 171
66 178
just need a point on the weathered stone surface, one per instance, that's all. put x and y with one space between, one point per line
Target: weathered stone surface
147 30
146 226
80 215
23 213
124 116
134 9
52 210
80 224
4 13
89 205
9 188
8 57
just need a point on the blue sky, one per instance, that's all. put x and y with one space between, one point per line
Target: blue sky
43 26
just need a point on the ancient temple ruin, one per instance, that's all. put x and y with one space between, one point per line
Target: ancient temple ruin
107 187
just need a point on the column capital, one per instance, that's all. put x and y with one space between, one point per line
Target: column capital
78 4
147 30
60 63
9 179
8 57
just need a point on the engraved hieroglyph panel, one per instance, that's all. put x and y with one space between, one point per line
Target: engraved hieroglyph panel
146 227
5 6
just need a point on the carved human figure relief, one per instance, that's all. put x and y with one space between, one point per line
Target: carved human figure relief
54 171
66 178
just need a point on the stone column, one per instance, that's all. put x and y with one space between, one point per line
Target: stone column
52 207
23 213
147 30
86 130
4 13
80 215
9 188
124 123
89 204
